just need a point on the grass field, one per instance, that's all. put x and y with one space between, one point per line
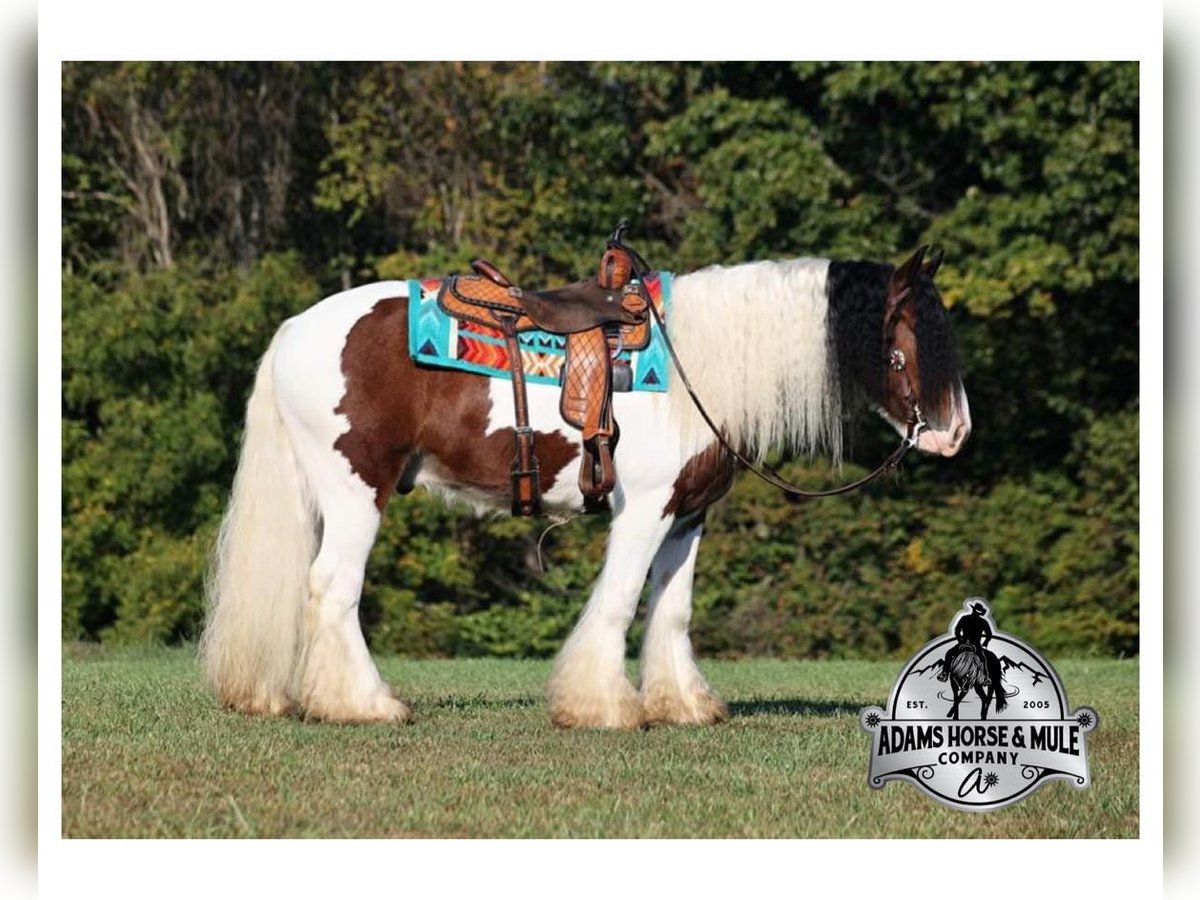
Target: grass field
146 753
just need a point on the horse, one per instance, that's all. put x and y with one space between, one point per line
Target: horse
340 418
967 670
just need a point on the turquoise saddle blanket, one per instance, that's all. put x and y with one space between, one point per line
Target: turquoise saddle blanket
436 339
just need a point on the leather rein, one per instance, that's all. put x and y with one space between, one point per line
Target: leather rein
915 422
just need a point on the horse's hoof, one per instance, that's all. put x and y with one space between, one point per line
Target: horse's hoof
258 703
618 718
667 707
583 693
619 709
383 708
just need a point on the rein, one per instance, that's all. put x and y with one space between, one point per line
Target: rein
916 421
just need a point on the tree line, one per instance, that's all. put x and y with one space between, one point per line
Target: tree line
203 203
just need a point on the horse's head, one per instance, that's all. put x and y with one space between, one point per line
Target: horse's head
919 379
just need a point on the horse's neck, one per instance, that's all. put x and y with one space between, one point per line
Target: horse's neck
754 342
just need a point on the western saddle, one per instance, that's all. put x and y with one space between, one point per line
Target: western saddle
600 317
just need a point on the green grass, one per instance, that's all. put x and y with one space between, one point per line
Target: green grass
146 753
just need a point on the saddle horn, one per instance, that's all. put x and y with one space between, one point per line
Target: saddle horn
640 266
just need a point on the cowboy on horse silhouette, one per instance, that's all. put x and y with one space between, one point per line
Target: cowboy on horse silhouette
973 633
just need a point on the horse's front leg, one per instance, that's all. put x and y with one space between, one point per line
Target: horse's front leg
673 690
588 688
953 714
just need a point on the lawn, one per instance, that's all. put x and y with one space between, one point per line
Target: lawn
147 753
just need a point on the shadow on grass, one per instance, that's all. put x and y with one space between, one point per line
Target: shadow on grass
480 702
737 708
740 708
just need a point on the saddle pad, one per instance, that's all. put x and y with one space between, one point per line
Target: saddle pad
436 339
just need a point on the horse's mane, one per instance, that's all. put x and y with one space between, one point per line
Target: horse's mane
779 351
754 342
857 292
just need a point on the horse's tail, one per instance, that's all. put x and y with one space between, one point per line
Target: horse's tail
258 579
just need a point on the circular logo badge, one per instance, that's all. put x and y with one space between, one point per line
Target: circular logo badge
978 719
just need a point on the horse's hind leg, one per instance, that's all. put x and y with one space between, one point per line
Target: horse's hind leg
588 688
336 680
997 689
985 700
673 690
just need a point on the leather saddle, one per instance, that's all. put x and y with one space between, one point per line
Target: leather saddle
572 308
600 317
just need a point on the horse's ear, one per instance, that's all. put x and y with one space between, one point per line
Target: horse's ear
901 284
934 262
911 266
906 273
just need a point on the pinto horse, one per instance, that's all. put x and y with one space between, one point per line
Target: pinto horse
340 418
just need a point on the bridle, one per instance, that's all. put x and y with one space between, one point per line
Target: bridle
915 420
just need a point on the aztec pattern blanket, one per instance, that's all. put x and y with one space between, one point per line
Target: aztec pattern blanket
436 339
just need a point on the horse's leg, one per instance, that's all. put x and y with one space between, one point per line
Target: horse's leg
673 690
985 700
334 677
336 680
997 682
958 695
588 688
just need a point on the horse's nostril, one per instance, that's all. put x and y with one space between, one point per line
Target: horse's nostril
954 439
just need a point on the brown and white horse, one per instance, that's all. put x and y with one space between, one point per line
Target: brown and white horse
340 418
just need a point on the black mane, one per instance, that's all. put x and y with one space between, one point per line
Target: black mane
856 293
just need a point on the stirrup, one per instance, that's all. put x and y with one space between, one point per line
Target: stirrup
597 475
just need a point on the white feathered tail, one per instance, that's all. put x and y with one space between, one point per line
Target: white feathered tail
257 584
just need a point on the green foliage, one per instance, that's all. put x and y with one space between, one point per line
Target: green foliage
156 369
863 577
205 203
760 176
1093 570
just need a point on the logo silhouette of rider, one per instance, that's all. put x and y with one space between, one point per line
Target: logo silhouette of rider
973 633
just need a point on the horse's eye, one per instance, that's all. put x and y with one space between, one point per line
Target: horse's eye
897 360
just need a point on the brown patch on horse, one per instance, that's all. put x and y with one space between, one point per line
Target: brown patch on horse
705 479
398 410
